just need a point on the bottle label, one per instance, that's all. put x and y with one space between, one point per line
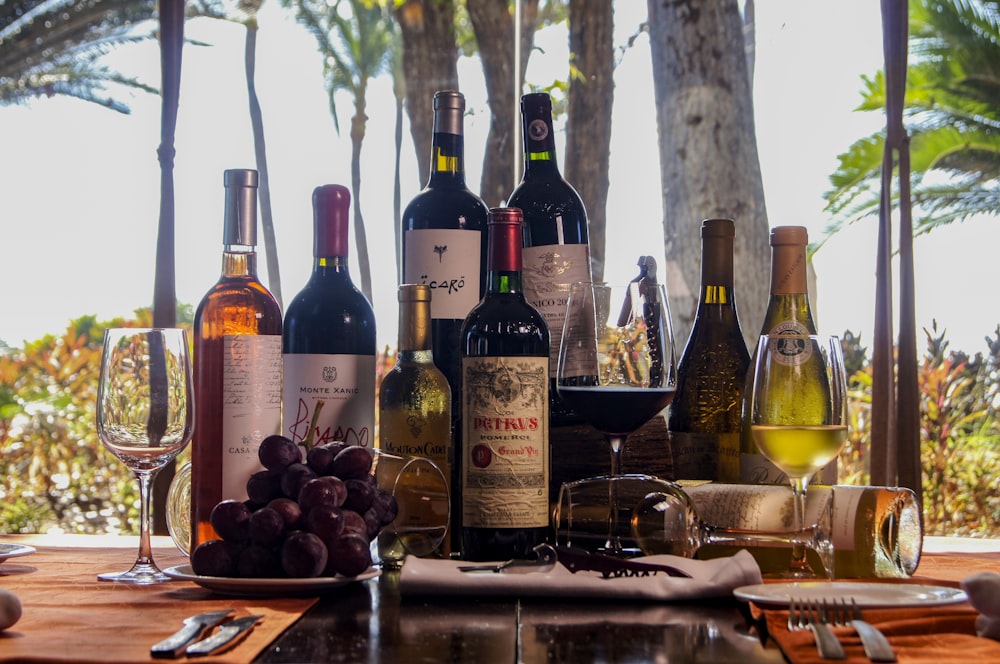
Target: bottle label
701 456
549 271
505 453
447 260
758 508
328 398
790 352
251 405
758 469
848 499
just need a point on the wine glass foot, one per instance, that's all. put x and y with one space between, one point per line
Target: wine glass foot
141 574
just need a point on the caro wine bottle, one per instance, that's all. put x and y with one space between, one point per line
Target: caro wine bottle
415 398
704 419
505 456
328 342
444 239
555 234
237 364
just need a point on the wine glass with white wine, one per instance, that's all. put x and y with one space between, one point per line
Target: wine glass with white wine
797 410
145 417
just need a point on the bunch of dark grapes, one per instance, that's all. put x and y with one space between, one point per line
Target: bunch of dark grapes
303 518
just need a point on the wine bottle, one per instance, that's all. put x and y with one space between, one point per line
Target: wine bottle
505 456
237 364
788 312
556 249
704 419
415 398
328 344
444 240
876 531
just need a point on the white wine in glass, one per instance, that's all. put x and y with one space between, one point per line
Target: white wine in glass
144 417
797 410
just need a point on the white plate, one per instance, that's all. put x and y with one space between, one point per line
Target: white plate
267 587
867 595
14 550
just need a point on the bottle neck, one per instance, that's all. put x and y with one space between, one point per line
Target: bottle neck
788 270
415 330
539 144
239 261
330 265
503 262
447 160
717 270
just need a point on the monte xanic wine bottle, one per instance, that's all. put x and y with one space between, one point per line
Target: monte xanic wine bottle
237 364
328 343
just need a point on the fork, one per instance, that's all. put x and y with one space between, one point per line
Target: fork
802 615
876 645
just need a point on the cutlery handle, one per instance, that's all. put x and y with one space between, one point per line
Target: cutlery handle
876 645
826 641
173 645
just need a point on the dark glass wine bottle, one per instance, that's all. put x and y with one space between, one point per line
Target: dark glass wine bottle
415 403
556 248
704 419
505 455
788 312
237 365
329 340
444 240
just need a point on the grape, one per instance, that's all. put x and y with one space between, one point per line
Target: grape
352 462
296 475
264 486
349 555
231 520
385 506
328 490
326 522
267 527
303 555
320 458
278 452
289 510
372 523
355 522
360 495
213 558
258 562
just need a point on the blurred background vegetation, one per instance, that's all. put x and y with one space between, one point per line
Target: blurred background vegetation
59 478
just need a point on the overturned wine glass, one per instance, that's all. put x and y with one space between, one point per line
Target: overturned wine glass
657 516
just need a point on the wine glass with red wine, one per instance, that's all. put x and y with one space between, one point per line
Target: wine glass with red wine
616 364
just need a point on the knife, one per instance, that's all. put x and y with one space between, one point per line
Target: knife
228 635
579 560
194 628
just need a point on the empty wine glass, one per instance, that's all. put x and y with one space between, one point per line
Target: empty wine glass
144 417
616 363
797 411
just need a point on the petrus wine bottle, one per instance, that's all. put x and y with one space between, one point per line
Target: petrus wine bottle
328 344
415 398
505 456
876 531
444 239
556 248
237 364
704 419
788 312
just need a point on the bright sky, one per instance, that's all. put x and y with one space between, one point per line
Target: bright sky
80 183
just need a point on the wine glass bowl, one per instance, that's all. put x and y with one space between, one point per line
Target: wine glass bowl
144 417
796 408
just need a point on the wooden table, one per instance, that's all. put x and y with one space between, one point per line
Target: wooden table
371 622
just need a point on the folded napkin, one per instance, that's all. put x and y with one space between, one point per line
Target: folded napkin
983 589
709 578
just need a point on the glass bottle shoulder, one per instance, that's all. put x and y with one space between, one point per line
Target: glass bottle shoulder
238 305
442 207
505 321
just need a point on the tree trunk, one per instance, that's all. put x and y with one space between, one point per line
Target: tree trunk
358 123
493 24
588 129
430 63
708 152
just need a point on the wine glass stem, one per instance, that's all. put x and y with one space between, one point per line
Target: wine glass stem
799 562
613 543
616 442
145 492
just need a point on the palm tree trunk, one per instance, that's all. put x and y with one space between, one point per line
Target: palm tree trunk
260 153
357 138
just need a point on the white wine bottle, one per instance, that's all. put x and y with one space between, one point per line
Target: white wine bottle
704 420
788 312
415 398
876 531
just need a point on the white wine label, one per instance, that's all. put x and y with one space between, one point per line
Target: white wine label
505 453
757 508
758 469
251 405
845 516
329 397
447 260
790 352
549 271
695 455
